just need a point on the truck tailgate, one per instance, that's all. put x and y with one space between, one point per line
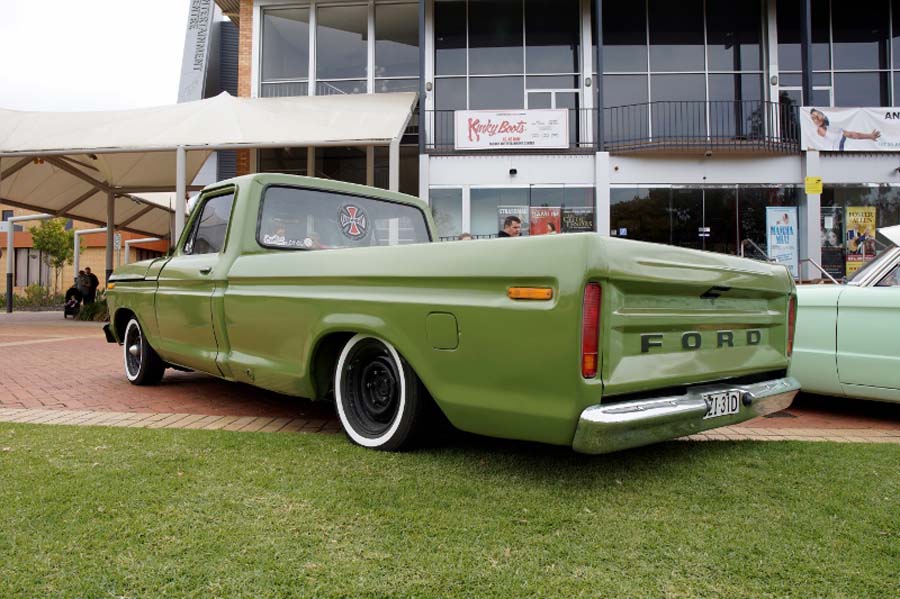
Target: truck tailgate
676 317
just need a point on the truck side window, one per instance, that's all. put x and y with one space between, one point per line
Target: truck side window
295 218
208 234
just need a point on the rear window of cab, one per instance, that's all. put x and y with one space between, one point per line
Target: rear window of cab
314 219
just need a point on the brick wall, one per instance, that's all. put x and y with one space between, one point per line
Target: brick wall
93 251
245 58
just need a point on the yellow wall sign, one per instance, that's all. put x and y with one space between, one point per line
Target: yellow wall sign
814 185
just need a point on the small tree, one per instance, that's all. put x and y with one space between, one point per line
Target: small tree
56 244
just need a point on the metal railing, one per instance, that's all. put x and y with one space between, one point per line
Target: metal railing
748 125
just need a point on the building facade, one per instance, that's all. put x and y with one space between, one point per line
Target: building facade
672 122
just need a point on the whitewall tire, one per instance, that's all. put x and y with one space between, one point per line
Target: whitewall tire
379 398
143 366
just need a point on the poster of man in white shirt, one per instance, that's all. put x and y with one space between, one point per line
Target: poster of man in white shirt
850 129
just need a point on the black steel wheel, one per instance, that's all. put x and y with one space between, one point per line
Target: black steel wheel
143 366
379 398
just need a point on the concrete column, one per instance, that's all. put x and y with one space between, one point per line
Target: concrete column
810 218
180 190
110 232
311 161
601 186
370 165
423 177
394 165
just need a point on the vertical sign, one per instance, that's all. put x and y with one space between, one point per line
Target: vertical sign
860 242
781 232
196 50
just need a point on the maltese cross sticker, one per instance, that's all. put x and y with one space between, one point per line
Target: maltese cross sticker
354 222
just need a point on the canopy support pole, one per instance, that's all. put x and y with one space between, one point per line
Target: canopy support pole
110 231
10 251
78 234
394 164
180 191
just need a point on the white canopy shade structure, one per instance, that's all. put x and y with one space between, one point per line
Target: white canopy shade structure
89 166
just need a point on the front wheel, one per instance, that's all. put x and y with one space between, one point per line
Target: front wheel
143 366
379 398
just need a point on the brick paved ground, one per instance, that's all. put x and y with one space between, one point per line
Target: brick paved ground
59 371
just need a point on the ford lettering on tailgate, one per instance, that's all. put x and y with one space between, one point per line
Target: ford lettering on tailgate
693 340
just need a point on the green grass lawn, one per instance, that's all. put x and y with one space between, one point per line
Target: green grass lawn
103 512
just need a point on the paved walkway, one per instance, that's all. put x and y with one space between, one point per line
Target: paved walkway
55 371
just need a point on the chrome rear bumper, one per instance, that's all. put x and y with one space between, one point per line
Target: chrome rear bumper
610 427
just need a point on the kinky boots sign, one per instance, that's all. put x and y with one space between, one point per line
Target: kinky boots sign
511 129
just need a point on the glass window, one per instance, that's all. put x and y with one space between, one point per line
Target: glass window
676 35
682 112
495 37
629 118
446 209
624 37
860 34
552 36
842 252
552 82
733 35
341 42
861 89
409 169
396 40
450 94
728 118
208 232
285 44
496 93
789 22
450 37
341 164
641 214
491 206
396 85
282 160
331 88
311 219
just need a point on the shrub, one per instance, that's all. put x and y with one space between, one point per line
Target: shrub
97 311
37 297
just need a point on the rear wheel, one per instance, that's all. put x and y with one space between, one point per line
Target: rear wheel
380 400
143 366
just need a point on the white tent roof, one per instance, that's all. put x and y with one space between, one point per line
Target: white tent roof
52 160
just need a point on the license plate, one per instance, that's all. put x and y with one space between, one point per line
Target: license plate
722 403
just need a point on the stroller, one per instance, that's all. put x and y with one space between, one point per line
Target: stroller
73 303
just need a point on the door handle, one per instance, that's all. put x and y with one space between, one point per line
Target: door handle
206 270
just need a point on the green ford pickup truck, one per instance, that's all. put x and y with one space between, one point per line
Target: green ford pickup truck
330 290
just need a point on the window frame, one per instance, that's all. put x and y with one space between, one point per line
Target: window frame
193 224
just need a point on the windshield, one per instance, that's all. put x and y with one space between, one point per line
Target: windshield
314 219
868 266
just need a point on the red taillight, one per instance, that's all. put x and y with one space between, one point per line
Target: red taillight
590 330
792 323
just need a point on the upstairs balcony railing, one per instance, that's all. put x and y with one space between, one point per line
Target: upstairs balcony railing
738 126
747 125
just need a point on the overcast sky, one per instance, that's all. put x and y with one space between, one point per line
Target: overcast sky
66 55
